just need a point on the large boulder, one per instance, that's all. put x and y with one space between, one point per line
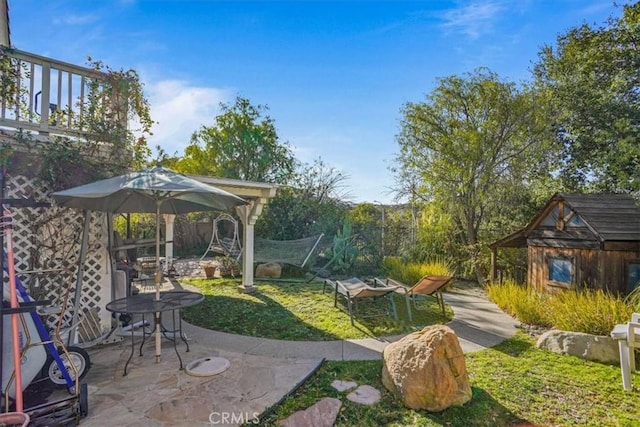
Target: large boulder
269 269
597 348
426 369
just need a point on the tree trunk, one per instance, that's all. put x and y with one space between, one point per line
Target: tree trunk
472 244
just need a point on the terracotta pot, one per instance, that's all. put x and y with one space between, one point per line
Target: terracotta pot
209 271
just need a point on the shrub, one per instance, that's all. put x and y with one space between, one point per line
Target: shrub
410 272
521 302
589 311
633 300
504 294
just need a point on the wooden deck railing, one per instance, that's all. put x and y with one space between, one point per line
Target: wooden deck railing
53 97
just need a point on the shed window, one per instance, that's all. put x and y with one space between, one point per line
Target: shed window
551 220
561 269
633 275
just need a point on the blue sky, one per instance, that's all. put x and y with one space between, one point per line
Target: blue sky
334 74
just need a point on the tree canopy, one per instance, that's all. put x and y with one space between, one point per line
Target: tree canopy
593 75
313 204
241 144
470 149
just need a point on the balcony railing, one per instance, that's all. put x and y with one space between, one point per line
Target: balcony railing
53 97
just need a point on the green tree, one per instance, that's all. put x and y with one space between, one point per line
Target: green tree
470 150
313 204
112 105
367 226
594 76
241 144
381 231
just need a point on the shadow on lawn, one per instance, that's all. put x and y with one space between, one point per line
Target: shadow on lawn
515 346
299 311
265 319
481 410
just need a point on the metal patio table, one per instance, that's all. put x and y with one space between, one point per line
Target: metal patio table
146 303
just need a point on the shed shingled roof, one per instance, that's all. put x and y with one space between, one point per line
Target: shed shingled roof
612 217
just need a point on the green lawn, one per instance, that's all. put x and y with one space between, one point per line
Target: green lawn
511 382
299 311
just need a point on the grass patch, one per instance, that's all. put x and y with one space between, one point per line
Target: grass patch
299 311
410 272
511 382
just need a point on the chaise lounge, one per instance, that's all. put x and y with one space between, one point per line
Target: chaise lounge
427 286
355 290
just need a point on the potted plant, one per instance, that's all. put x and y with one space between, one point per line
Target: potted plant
209 268
229 267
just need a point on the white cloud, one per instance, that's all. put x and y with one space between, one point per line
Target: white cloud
75 19
473 19
180 109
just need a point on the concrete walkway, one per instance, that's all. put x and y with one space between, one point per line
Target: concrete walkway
262 371
477 322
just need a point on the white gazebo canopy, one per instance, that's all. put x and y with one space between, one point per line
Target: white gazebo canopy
258 195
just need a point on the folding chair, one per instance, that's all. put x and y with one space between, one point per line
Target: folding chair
355 290
427 286
628 337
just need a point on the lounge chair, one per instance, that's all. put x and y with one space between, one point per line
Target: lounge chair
428 286
355 290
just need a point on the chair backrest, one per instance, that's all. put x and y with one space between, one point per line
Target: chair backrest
633 331
430 284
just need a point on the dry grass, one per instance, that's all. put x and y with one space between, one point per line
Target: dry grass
589 311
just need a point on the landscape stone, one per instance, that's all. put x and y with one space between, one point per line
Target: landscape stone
426 369
365 395
343 385
320 414
596 348
269 269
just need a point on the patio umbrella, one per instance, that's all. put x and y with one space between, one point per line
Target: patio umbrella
154 190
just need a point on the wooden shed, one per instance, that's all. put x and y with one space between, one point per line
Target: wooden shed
580 240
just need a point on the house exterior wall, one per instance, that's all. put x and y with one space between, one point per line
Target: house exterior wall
616 263
592 268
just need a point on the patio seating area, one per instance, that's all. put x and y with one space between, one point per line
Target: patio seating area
162 395
355 291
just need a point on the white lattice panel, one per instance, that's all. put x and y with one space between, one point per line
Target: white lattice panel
50 239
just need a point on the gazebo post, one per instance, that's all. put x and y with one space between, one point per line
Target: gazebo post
248 221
